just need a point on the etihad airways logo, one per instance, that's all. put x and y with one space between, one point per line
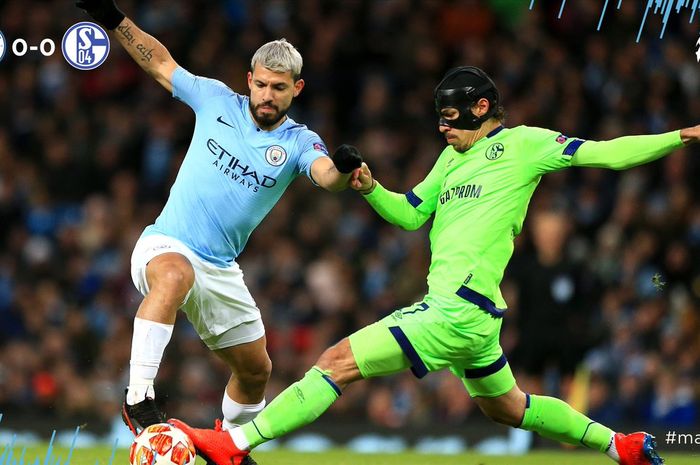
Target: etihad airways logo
232 167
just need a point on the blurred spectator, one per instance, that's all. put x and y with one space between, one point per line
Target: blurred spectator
87 159
554 299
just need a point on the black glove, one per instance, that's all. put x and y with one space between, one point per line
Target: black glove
347 158
104 12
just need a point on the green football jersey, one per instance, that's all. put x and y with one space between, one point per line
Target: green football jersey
480 198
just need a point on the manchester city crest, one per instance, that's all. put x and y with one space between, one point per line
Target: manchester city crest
275 155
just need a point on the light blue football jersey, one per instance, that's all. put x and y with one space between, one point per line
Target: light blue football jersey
233 172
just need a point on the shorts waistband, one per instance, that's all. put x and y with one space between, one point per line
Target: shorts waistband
481 301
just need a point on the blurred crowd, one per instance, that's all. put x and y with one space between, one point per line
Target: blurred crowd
604 286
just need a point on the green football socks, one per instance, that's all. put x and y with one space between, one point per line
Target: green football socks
555 419
298 405
304 401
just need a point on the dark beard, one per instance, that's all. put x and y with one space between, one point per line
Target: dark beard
267 121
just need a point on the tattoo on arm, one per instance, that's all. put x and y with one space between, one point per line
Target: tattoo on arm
143 50
125 31
147 54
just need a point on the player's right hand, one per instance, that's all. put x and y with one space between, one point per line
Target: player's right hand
104 12
690 135
363 182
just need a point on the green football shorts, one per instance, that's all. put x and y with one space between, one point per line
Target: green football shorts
436 334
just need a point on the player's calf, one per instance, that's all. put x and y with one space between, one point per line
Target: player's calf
507 409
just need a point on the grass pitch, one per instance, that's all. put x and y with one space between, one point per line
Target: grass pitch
102 455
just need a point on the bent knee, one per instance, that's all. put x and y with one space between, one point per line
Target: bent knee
173 275
339 361
507 409
333 357
256 376
177 279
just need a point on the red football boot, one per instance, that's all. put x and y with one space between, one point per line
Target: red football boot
214 446
248 460
637 449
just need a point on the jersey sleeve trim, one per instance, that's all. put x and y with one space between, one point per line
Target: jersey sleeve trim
413 199
573 146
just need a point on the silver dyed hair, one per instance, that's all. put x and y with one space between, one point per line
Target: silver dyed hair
279 56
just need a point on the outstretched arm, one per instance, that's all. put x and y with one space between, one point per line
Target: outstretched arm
393 207
150 54
629 151
335 173
690 135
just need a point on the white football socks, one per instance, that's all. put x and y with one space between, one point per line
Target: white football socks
237 414
147 346
239 439
612 450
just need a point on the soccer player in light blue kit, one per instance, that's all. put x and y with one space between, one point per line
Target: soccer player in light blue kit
244 153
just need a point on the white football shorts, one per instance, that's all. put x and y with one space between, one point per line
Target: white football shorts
219 305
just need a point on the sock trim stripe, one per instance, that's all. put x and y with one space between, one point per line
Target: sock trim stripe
610 444
258 430
333 385
584 433
527 406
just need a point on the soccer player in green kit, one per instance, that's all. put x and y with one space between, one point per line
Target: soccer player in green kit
478 192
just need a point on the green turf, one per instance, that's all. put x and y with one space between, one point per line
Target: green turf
102 455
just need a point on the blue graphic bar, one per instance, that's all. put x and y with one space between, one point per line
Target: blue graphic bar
21 456
660 7
6 456
72 445
49 451
602 13
114 450
7 453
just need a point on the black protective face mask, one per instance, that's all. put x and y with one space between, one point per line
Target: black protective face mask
463 98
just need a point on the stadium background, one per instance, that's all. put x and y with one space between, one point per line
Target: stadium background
87 158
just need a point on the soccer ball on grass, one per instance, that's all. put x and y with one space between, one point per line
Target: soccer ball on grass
162 444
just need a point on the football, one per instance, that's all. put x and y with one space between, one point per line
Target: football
162 444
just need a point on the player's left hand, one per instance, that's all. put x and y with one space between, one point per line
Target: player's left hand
690 135
347 158
105 12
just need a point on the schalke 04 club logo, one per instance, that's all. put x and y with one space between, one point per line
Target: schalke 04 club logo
85 45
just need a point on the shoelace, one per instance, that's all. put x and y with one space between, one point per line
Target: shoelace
218 425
